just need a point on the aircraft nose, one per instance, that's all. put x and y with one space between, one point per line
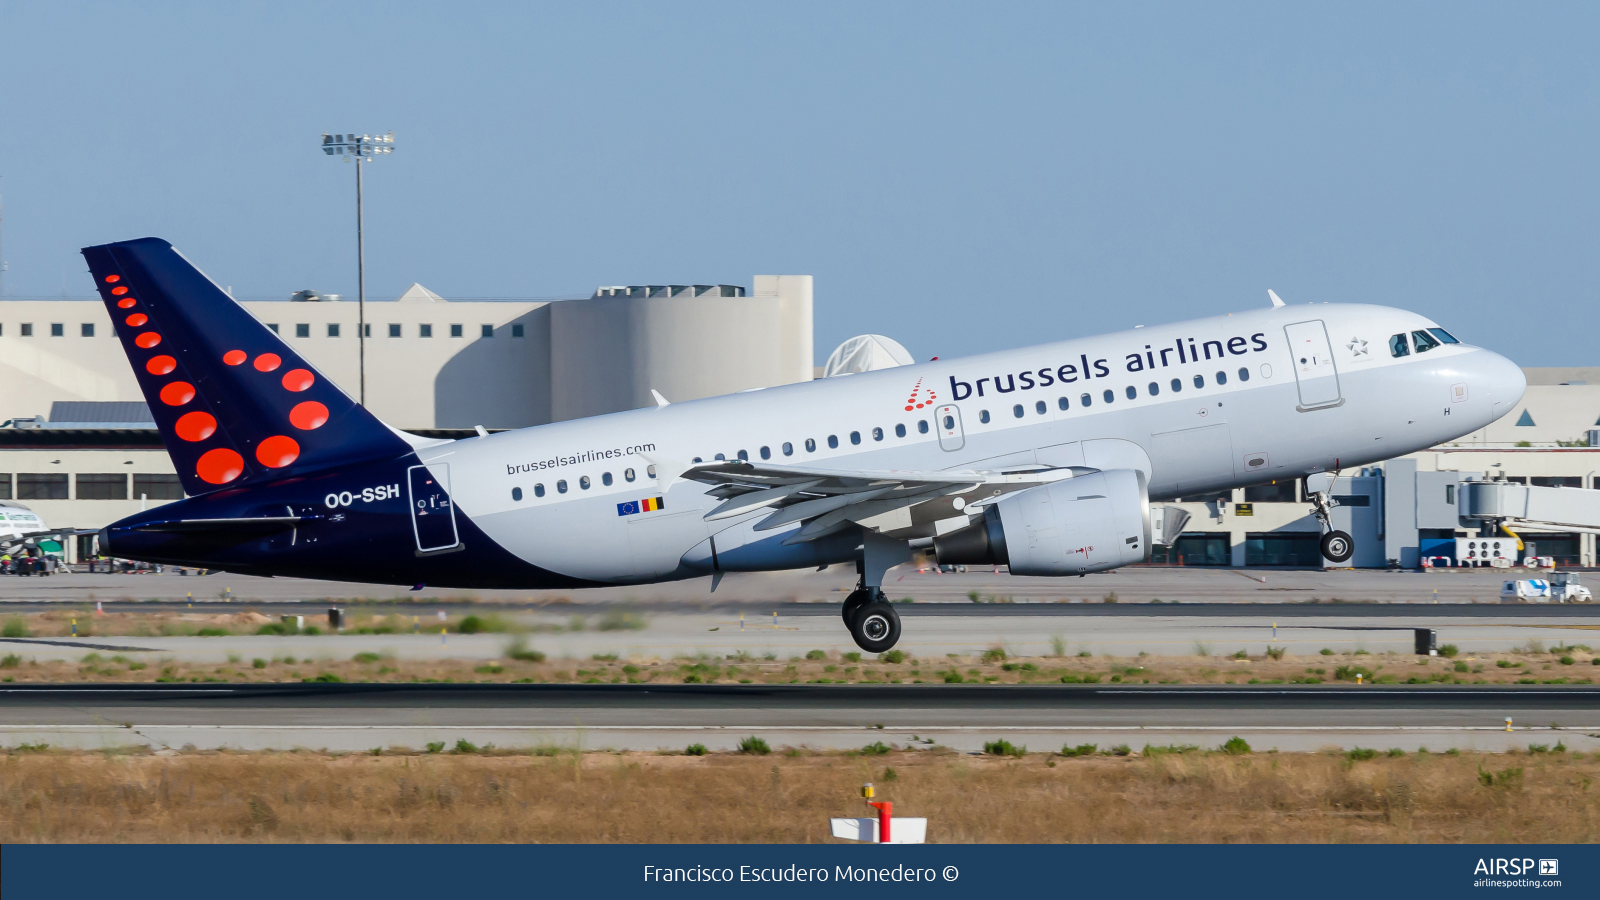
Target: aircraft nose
1501 378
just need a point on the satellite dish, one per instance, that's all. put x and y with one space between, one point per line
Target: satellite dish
866 353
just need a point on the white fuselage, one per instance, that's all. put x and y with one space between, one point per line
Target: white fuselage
1197 406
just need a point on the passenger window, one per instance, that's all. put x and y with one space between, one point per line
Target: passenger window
1177 385
698 460
1443 335
584 482
1222 378
1107 396
561 486
1244 374
855 437
1398 346
833 442
720 457
1039 407
1017 410
1131 391
788 449
1062 402
1154 389
922 426
516 493
538 490
1424 341
1199 381
1085 400
900 430
652 470
766 452
877 434
605 479
949 422
983 416
627 475
811 445
744 455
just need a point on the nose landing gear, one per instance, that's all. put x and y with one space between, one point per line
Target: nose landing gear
1336 546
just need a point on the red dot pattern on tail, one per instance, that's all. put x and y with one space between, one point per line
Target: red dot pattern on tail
297 380
278 451
147 340
308 415
266 362
119 290
177 393
219 466
127 302
113 279
235 357
160 365
196 426
137 319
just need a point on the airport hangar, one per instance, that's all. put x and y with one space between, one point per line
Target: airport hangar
441 367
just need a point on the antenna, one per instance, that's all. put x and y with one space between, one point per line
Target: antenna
1273 296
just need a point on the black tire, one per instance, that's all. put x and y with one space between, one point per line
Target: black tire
858 598
1337 546
876 628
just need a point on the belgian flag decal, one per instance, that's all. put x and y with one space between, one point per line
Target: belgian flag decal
634 507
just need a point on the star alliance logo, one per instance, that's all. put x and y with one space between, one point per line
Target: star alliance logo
1357 347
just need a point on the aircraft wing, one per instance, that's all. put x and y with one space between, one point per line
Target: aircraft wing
898 502
46 534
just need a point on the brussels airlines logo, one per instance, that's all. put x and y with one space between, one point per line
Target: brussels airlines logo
1085 369
916 392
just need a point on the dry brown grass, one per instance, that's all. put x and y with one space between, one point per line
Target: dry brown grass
603 797
1528 667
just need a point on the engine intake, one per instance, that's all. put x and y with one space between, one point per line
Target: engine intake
1090 523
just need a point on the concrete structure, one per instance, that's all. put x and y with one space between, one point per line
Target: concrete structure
1396 510
434 363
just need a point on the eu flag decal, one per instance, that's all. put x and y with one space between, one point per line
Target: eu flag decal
634 507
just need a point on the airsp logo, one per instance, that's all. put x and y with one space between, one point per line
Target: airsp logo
1549 867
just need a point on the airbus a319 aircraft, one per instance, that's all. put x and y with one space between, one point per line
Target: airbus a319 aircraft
1044 459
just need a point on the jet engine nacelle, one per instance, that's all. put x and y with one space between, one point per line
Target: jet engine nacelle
1072 527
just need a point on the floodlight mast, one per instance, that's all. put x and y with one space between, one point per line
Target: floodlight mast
364 147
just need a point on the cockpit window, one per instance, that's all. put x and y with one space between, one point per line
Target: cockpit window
1398 346
1425 341
1443 335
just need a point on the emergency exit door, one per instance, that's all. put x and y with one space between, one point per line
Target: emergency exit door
1314 371
948 420
433 519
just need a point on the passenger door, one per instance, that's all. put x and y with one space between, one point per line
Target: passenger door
1314 371
948 420
433 520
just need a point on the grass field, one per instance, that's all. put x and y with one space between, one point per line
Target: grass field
1183 796
1530 665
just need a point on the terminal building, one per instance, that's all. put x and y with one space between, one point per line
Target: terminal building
1397 510
78 445
80 448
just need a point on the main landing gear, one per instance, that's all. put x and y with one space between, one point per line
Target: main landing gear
873 623
1336 546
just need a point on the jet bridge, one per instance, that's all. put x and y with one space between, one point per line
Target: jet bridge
1497 503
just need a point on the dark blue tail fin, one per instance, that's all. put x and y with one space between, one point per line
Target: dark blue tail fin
234 403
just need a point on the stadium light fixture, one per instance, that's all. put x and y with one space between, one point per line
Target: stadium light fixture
364 148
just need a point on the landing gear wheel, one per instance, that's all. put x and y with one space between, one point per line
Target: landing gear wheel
876 628
852 604
1338 546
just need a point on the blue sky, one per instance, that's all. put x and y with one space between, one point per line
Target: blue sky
962 177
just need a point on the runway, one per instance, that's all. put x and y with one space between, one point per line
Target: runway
359 717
